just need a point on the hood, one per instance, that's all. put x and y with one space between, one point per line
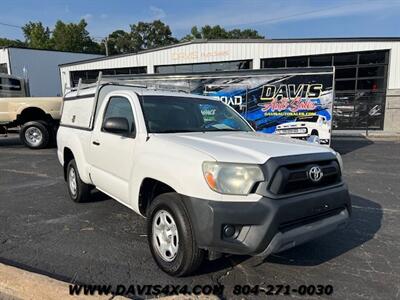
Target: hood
243 147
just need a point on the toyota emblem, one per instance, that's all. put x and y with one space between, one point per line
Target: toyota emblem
315 174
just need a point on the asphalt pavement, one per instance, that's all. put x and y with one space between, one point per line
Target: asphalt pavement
103 242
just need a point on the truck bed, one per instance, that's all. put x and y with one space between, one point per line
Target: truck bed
11 107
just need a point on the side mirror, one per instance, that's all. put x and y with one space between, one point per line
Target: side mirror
253 124
116 125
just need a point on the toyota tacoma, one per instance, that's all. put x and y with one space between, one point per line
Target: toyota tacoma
205 181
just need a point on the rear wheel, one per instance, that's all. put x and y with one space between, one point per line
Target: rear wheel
171 237
78 190
35 135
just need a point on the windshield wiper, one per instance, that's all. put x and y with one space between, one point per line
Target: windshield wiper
200 130
225 129
176 131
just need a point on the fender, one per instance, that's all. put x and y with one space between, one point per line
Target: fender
158 170
186 177
76 146
49 105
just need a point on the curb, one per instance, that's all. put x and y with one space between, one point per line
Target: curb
18 284
371 137
378 134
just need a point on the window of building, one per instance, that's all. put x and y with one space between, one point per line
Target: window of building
345 85
201 68
345 59
369 109
378 71
3 68
164 69
296 62
345 73
205 67
90 76
357 110
320 60
273 63
184 69
122 71
356 75
375 57
372 84
343 111
109 72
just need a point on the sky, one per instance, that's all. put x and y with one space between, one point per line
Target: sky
272 18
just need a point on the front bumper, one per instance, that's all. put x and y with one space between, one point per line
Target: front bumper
268 225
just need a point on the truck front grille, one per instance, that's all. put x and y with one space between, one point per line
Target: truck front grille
296 177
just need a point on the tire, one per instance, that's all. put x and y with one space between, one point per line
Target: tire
314 132
185 257
53 135
35 134
77 189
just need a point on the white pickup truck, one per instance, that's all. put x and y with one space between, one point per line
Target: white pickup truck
305 126
206 182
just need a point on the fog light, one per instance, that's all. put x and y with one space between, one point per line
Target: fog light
229 230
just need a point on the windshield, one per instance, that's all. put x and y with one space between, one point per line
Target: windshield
307 119
167 114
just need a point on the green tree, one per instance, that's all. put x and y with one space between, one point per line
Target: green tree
217 32
11 43
36 35
119 42
73 37
151 35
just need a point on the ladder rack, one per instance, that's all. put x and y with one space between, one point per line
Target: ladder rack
109 80
100 81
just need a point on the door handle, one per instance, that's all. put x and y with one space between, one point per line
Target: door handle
96 143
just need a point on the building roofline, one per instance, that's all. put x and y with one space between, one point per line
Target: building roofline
294 40
127 54
227 41
51 50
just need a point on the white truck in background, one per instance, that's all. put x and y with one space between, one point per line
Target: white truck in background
36 117
206 182
305 127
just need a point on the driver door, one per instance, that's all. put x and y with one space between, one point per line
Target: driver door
111 156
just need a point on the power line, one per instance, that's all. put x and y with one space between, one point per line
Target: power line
288 17
10 25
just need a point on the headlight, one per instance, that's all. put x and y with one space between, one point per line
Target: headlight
302 130
230 178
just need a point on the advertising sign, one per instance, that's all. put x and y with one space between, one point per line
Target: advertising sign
287 102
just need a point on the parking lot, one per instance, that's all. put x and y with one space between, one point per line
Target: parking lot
103 242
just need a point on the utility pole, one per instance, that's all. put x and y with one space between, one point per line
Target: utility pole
106 45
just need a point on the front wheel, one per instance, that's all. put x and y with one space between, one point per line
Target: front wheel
171 237
35 135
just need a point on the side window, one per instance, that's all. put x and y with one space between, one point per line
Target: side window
120 107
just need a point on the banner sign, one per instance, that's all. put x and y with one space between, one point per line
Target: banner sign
290 103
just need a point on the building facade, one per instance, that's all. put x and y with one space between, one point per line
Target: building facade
367 70
40 67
